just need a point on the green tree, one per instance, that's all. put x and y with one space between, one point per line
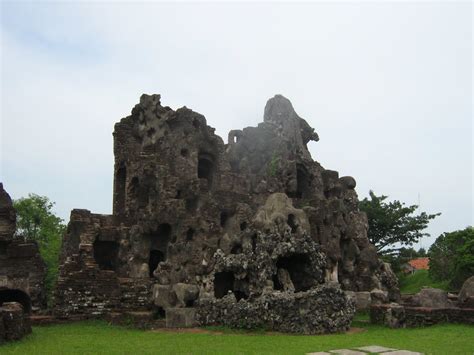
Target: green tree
36 221
392 224
452 257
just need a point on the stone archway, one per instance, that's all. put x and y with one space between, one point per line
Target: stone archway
15 295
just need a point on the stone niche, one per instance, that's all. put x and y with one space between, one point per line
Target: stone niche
201 228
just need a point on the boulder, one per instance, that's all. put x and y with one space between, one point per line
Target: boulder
180 317
379 296
164 296
432 298
466 295
361 299
186 294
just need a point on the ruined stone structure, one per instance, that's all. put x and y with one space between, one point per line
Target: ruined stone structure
201 228
22 273
22 270
429 306
14 322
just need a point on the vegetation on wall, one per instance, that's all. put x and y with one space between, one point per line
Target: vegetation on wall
273 164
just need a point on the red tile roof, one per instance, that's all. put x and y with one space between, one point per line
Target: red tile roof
420 263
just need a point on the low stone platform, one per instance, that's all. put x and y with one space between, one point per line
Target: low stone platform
399 316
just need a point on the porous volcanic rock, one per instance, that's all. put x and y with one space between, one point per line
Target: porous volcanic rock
195 219
322 309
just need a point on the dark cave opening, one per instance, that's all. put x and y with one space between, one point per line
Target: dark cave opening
223 218
13 295
276 283
292 223
302 181
299 269
156 256
159 313
106 254
159 241
3 247
223 283
236 249
133 188
254 241
120 189
206 168
189 234
184 152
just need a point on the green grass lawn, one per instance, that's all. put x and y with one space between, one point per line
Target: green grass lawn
97 337
413 283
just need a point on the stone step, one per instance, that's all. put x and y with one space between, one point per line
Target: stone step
180 317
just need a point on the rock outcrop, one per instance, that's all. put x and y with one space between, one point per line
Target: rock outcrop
197 222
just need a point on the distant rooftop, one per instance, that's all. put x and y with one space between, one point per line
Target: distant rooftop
420 263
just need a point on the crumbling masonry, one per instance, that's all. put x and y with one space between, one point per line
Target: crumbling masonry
22 274
248 233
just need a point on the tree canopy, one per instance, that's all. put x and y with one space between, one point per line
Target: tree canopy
37 221
452 257
393 224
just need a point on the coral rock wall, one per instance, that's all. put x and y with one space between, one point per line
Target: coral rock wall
197 221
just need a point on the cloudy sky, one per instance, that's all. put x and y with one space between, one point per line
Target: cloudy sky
387 86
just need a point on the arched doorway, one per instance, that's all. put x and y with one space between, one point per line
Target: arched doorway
14 295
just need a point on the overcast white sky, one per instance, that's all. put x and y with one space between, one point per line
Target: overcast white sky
387 86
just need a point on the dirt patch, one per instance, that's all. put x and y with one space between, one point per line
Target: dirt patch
355 330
